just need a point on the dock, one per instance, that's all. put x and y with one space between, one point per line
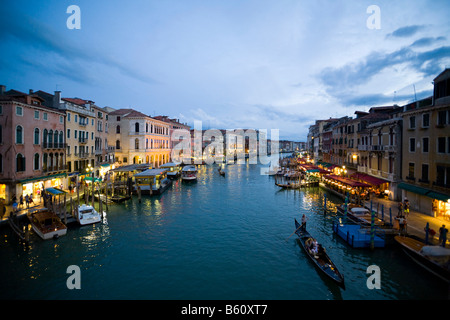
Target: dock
359 237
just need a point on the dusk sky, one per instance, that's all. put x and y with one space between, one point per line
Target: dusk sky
231 64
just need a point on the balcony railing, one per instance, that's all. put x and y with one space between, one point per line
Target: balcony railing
54 145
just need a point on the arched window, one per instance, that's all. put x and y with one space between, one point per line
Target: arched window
44 162
136 127
19 135
118 129
136 143
45 137
36 161
61 138
36 136
50 138
117 144
55 138
20 163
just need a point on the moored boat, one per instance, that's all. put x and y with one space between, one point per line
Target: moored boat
360 215
46 224
189 173
86 214
435 259
173 169
321 260
152 181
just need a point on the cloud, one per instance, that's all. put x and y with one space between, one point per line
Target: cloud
342 82
428 41
34 35
405 32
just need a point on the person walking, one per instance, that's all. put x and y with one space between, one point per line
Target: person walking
443 235
400 208
406 207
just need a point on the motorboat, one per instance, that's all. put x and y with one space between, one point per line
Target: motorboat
87 215
46 224
189 173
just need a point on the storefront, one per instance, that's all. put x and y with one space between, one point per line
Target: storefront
427 201
3 191
34 186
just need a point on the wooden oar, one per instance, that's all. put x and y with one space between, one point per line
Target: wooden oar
294 232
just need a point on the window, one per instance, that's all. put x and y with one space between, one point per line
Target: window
425 120
92 136
68 116
76 118
118 129
442 176
412 145
36 114
441 119
118 144
425 142
136 144
424 173
45 116
118 118
61 119
136 127
76 134
92 122
412 122
20 163
68 133
19 111
36 161
19 135
36 136
410 171
441 145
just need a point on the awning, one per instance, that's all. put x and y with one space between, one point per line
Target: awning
424 191
43 178
413 188
90 179
438 196
55 191
369 179
349 182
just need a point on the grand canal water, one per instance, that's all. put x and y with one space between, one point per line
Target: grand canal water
220 238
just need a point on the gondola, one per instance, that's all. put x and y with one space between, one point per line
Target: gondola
323 262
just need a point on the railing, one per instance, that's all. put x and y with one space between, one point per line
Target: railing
54 145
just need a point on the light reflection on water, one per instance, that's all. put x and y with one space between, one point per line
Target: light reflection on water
217 238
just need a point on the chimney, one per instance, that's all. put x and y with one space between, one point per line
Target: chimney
30 91
57 99
2 89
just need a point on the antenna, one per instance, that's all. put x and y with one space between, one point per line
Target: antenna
415 97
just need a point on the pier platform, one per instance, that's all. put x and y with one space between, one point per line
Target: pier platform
358 237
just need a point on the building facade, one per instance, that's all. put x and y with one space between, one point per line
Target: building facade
426 151
138 138
32 145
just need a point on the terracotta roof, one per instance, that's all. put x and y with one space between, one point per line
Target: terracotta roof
76 101
128 113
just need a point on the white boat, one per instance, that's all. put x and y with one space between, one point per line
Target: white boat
173 169
87 215
46 224
189 173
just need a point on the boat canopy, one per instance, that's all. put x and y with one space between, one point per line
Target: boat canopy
435 251
55 191
169 165
150 173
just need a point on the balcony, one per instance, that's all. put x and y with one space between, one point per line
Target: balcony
362 147
375 148
54 145
390 148
82 140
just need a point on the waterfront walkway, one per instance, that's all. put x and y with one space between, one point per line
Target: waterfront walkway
416 221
